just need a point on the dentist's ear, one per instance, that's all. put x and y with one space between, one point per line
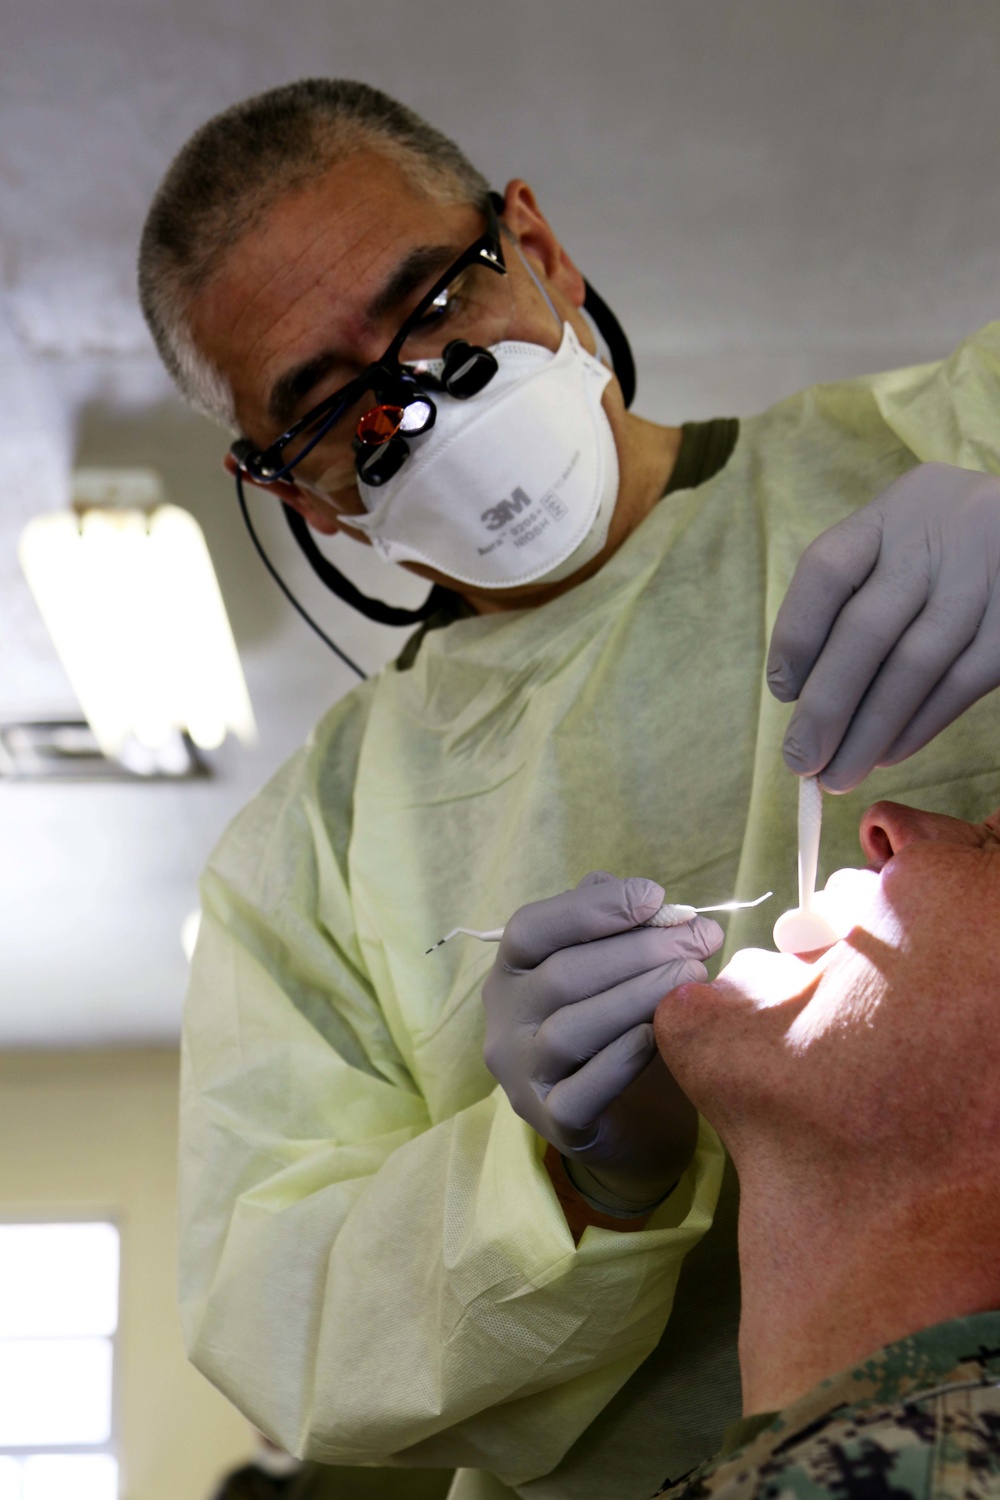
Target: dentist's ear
537 239
317 512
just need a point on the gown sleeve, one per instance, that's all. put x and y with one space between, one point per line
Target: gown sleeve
368 1285
949 412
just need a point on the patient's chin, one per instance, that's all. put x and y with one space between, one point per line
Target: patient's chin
759 978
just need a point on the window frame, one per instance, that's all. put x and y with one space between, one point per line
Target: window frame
49 1214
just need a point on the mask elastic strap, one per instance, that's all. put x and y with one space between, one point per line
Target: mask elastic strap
607 325
531 272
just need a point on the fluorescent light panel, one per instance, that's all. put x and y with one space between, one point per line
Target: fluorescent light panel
134 609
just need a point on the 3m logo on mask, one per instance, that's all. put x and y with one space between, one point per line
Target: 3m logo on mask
501 515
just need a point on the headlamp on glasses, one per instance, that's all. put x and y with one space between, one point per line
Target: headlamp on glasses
379 443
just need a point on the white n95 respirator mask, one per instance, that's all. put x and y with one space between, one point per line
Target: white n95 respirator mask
514 485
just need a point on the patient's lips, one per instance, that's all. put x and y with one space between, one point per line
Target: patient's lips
832 913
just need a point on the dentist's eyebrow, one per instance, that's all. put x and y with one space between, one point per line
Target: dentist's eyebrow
419 265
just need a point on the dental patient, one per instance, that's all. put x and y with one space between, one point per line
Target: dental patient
859 1096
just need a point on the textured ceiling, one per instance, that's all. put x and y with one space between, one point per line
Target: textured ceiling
768 193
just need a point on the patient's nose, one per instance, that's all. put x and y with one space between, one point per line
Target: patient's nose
887 827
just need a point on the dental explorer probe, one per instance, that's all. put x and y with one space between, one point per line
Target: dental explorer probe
670 914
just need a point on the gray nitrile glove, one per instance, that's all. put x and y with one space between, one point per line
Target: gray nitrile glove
569 1035
891 626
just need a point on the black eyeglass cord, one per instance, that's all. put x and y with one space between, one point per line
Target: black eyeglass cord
374 609
284 587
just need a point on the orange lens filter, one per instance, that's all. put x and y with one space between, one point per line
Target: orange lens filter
379 425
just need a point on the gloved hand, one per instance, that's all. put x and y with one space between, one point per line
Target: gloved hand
891 625
569 1010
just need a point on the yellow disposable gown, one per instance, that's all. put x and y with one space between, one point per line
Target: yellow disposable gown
374 1265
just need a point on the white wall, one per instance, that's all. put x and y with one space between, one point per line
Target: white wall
97 1132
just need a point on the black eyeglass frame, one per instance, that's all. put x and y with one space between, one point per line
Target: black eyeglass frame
386 377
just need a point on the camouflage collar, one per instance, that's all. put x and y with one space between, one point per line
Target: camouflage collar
961 1352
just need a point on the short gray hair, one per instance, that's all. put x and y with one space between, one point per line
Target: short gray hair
240 163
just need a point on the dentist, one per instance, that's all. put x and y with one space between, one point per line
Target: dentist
412 1233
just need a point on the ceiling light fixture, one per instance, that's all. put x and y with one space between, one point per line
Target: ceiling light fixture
67 750
131 601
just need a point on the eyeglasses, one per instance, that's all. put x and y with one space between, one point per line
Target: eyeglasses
443 344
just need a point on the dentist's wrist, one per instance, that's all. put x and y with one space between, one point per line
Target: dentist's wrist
580 1215
630 1201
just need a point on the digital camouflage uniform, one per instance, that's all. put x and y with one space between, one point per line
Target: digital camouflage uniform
920 1420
